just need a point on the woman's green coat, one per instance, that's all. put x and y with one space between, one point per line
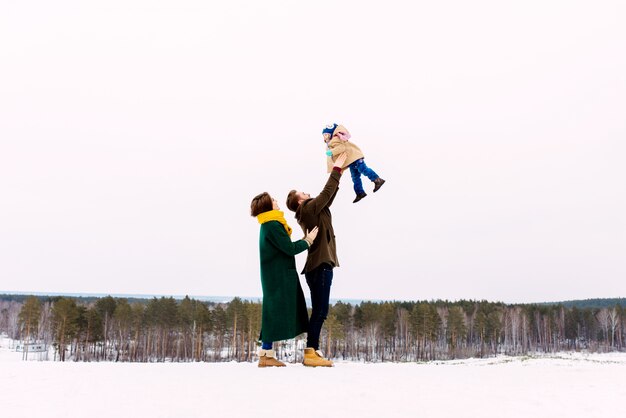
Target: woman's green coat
284 309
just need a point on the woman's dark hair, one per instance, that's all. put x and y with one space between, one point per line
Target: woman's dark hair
261 203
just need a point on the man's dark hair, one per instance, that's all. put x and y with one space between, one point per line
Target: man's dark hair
292 201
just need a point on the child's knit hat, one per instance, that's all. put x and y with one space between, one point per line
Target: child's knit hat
330 129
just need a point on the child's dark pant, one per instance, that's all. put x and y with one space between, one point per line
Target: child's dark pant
356 169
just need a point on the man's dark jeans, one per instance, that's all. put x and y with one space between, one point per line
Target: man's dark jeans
319 280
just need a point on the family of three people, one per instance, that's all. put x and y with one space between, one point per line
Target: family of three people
284 314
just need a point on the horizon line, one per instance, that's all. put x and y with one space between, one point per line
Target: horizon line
225 299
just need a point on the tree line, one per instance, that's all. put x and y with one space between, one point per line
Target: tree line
166 329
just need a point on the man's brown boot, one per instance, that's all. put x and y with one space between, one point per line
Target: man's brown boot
315 358
267 358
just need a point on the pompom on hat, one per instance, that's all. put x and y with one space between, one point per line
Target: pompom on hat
330 129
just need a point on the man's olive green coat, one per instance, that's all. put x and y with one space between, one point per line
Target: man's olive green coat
284 309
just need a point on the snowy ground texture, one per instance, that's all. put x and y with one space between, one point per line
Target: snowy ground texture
562 385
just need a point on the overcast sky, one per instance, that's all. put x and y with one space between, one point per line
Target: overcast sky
134 134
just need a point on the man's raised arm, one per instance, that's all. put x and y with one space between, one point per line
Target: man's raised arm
326 197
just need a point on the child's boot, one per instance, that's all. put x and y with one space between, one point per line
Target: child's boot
378 183
359 197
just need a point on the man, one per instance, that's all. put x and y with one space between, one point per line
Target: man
321 258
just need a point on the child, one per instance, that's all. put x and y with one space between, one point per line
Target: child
337 141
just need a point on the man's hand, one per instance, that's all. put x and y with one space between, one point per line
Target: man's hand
339 162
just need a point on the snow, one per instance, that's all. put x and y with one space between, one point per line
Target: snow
563 384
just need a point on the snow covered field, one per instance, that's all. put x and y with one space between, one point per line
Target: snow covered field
563 385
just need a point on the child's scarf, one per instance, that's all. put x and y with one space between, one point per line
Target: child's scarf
274 215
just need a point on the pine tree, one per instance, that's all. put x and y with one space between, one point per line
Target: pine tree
65 315
122 322
29 320
456 330
106 308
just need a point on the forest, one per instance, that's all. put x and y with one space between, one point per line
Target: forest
183 330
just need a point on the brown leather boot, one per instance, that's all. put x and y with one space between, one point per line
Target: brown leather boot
267 358
315 358
378 183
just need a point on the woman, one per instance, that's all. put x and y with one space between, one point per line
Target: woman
284 309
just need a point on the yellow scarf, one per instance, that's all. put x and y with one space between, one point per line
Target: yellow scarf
274 215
